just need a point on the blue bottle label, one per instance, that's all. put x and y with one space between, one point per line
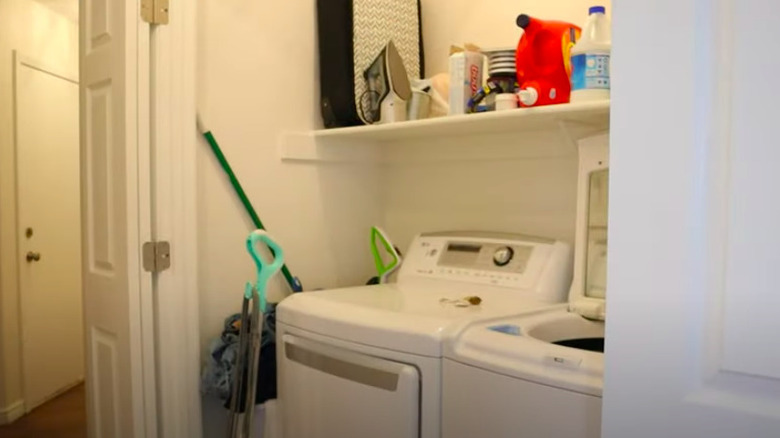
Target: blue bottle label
590 72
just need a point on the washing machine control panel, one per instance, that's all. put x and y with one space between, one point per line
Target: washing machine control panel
493 259
509 258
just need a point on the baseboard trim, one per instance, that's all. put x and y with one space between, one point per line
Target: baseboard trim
12 412
56 394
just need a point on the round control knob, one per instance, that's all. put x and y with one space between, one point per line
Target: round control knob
503 256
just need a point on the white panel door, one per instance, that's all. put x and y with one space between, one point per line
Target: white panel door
115 219
46 116
693 334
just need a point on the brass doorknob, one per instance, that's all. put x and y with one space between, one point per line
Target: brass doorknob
33 256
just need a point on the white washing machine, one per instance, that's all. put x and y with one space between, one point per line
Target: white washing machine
540 374
507 378
366 361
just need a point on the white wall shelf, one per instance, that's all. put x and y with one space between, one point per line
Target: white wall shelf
576 120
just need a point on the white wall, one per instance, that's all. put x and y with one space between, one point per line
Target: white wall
41 34
66 8
525 184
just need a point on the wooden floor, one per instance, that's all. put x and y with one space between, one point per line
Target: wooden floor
63 417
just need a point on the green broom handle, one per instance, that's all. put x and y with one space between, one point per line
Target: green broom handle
294 282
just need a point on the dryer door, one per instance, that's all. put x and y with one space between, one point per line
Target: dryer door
331 392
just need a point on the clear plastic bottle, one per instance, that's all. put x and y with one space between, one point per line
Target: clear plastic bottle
590 58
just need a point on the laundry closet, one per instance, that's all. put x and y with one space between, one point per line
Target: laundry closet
489 231
319 191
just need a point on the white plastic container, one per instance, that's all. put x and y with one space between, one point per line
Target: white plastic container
506 101
465 77
590 58
419 106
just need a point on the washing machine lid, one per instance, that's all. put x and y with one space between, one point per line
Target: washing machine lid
521 347
405 318
588 293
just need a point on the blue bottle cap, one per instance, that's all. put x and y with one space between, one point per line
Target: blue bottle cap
597 10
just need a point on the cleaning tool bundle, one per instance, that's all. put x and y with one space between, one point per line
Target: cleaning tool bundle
253 310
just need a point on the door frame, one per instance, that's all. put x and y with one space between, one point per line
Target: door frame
174 218
20 59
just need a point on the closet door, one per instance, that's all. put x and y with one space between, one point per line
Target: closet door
115 220
694 239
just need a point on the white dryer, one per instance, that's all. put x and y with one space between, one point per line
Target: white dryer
540 374
366 361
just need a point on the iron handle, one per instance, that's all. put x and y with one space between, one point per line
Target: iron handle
33 256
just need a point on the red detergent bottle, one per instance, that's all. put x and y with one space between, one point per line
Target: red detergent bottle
543 60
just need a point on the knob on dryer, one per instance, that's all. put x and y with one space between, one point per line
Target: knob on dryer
503 256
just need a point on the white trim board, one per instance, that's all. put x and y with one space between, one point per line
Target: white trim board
20 59
60 392
12 412
149 289
174 211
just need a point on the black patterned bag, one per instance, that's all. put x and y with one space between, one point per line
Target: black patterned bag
351 34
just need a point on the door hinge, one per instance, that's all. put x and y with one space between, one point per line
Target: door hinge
156 256
154 11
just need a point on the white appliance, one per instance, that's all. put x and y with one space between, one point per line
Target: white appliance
540 374
366 361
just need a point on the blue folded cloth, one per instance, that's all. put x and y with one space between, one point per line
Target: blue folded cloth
218 374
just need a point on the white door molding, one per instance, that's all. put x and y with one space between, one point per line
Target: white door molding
174 139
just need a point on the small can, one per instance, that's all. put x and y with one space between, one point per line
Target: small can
420 105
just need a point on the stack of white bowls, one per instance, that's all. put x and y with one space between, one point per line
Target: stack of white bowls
501 62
